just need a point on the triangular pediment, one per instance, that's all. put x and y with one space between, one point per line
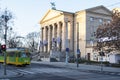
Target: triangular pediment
50 14
100 9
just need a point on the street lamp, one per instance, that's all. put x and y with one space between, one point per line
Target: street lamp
67 49
5 17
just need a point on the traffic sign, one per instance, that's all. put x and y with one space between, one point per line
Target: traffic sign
78 51
67 49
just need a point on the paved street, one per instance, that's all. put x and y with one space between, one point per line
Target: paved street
40 71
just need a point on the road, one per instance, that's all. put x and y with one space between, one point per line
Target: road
44 72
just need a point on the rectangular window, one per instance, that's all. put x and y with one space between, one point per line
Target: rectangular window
108 21
100 20
91 18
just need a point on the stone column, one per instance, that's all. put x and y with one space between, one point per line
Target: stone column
58 35
41 45
70 37
53 32
63 36
53 36
44 38
49 37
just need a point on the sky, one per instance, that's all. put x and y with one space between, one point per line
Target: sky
28 13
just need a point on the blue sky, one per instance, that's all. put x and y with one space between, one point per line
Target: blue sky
28 13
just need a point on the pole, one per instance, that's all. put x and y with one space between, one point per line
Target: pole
78 56
78 50
5 36
6 18
66 58
4 63
101 66
67 49
77 61
101 63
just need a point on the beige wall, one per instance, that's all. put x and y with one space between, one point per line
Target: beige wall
91 26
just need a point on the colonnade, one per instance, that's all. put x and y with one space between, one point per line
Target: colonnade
54 35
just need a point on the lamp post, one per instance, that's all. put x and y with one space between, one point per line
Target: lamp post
67 49
6 17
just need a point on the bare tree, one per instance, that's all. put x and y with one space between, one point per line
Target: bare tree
108 34
14 41
6 22
33 40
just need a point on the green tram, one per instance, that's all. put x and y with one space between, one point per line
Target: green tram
16 56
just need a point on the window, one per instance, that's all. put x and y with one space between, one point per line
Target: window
108 21
23 54
91 18
100 20
1 54
11 54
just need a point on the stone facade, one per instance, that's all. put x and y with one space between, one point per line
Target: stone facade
61 30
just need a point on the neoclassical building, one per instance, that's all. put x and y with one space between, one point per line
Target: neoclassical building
62 29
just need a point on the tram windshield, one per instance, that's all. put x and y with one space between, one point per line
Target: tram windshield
23 54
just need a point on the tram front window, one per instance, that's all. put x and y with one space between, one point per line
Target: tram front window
23 54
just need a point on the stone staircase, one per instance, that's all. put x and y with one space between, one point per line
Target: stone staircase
53 54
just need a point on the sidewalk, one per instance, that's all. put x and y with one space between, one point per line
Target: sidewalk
83 67
9 74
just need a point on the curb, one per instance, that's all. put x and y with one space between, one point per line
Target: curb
102 72
93 71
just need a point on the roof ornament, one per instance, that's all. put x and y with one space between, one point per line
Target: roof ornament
53 5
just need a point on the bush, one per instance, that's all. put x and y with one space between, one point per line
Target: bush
53 60
71 60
